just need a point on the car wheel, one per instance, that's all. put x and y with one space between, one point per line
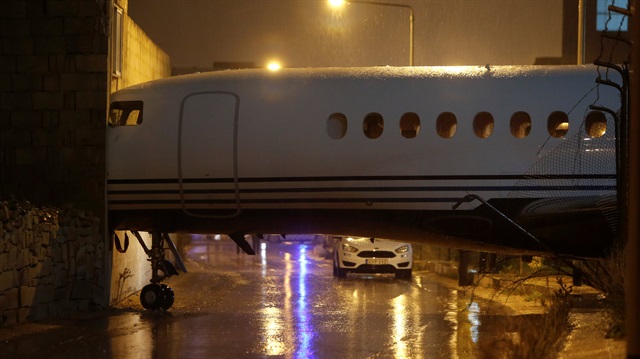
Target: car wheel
403 274
337 271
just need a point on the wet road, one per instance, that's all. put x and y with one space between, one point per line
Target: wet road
281 303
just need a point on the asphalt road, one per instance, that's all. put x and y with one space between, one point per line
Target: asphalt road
282 303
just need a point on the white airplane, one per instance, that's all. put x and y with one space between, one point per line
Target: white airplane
511 158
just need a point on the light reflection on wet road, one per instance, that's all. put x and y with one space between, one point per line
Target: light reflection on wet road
282 303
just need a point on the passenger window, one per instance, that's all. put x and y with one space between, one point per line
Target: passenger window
409 125
483 124
595 124
446 125
558 124
373 125
337 126
520 124
125 113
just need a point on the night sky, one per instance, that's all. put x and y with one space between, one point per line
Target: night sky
310 33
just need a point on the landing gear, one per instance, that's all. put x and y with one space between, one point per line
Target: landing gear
169 297
155 295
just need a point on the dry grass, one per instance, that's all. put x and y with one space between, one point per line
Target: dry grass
607 276
531 339
544 338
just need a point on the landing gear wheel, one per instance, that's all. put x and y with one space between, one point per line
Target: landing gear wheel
167 296
152 296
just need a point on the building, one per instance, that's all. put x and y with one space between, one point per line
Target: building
59 61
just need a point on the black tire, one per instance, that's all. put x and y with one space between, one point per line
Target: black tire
403 274
337 271
168 296
152 296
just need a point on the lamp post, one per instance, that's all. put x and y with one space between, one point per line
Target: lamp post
337 3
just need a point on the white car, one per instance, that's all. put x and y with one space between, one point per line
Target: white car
372 255
296 238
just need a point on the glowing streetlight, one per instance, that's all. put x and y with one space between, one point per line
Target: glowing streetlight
274 66
337 3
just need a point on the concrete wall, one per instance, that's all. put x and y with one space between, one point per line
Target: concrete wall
131 270
143 61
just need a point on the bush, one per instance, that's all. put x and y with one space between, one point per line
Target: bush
607 275
543 339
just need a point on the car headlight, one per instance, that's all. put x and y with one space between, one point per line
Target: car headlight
348 248
403 249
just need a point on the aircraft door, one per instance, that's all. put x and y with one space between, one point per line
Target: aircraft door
207 154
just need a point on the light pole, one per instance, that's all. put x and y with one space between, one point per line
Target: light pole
337 3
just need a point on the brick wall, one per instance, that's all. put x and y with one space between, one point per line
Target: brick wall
55 81
53 96
53 66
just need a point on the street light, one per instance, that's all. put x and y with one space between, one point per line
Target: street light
274 66
337 3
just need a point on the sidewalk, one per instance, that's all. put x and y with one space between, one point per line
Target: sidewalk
586 338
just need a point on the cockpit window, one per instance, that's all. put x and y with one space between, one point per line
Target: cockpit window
409 125
558 124
595 124
373 125
125 113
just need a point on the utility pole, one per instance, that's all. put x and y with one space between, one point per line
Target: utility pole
632 275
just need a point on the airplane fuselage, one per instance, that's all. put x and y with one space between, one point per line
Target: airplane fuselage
378 152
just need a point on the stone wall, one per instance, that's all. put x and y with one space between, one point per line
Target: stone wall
51 262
